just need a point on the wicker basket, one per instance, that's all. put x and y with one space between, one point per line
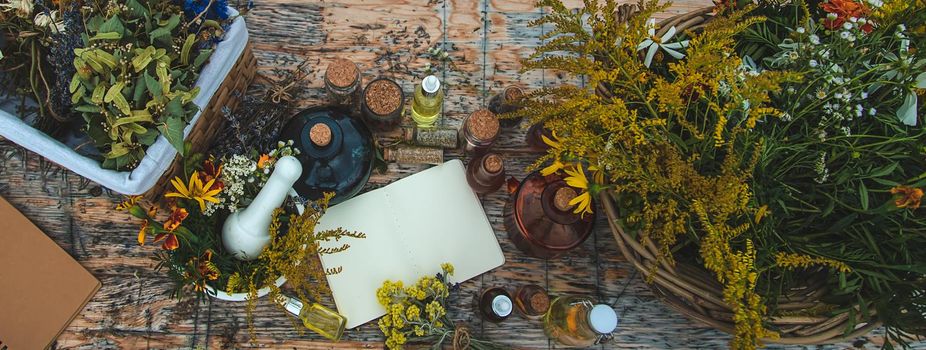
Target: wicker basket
212 119
694 292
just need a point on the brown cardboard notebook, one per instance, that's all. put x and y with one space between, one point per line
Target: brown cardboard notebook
41 287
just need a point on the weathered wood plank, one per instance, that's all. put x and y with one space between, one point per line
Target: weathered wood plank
486 40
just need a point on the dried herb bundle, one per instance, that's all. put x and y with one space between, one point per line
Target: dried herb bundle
260 115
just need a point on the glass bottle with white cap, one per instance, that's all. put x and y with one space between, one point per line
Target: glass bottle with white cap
495 304
576 321
427 103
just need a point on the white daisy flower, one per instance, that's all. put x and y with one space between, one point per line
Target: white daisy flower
814 39
653 43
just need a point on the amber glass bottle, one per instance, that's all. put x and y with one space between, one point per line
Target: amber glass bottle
336 153
495 304
532 301
507 101
486 173
539 219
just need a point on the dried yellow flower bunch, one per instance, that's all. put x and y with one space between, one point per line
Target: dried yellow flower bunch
669 128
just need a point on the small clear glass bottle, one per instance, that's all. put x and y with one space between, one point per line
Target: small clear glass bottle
479 132
432 137
486 174
575 321
532 301
507 101
405 154
495 304
317 317
428 101
342 81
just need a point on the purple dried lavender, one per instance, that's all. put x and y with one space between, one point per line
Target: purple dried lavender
61 58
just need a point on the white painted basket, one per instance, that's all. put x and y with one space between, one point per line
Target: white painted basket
159 155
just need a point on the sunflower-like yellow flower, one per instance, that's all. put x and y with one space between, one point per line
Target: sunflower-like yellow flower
196 190
577 179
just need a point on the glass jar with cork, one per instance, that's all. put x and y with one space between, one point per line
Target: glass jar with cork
532 301
432 137
342 81
485 174
407 154
336 152
479 132
539 218
507 101
383 104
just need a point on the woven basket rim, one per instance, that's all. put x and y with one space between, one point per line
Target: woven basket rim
701 304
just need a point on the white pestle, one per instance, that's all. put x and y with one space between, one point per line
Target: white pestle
246 232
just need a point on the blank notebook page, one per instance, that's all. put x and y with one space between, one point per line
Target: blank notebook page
412 226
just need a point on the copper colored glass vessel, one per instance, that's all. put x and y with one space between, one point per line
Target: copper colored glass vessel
539 219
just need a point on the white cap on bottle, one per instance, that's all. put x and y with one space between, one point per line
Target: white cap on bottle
603 319
430 84
501 305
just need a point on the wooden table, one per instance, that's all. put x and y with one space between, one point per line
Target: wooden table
486 39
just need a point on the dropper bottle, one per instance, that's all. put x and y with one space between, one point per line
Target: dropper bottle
316 317
427 103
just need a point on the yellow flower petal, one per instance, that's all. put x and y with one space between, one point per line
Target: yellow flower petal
556 166
550 142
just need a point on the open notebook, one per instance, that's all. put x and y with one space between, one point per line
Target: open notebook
412 226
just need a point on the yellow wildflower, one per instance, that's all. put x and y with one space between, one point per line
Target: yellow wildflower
413 313
793 261
447 267
435 310
577 179
384 324
419 331
196 190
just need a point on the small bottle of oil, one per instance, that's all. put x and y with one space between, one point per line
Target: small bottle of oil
427 103
316 317
495 304
576 321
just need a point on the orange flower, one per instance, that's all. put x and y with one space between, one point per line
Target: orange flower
212 172
909 197
170 240
845 9
263 161
142 231
175 219
152 213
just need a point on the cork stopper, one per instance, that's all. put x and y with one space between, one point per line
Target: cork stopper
383 96
540 301
483 124
320 134
562 198
492 163
342 73
408 134
513 94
